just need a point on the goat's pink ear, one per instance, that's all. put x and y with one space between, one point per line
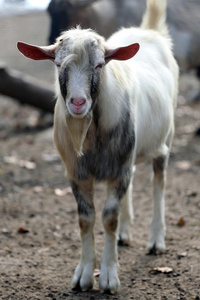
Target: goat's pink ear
36 52
122 53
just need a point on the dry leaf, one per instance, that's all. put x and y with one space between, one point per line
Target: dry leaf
6 249
22 230
27 164
43 250
181 222
196 247
183 254
63 192
164 270
5 231
19 162
57 234
38 189
10 160
183 165
96 272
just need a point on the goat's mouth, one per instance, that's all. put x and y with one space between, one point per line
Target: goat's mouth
78 107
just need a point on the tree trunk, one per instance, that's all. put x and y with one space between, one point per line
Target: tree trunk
26 89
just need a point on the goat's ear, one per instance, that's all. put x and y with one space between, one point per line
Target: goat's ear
36 52
122 53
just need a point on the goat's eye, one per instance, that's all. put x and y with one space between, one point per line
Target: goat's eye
58 65
99 66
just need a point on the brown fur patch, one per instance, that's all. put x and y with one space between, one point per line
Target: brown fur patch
78 129
84 225
110 223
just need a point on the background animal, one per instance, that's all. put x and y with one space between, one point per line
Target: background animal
107 16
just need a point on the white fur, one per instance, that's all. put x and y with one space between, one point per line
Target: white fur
83 274
150 80
126 217
158 227
109 266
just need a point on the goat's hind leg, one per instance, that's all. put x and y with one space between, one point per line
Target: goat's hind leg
83 276
156 241
126 217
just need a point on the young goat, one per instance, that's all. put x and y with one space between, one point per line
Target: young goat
113 111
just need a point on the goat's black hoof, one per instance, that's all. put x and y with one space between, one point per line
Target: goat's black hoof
155 251
123 243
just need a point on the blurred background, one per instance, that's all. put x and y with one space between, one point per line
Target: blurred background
40 22
8 7
38 217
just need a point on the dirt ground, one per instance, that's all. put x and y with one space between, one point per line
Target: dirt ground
39 235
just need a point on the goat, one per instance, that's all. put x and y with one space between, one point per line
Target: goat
115 109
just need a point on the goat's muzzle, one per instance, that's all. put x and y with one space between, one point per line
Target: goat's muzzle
77 105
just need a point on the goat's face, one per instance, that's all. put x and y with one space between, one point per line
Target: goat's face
79 61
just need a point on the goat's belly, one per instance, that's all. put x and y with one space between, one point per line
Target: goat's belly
156 151
153 136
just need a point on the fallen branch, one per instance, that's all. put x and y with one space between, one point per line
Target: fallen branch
26 89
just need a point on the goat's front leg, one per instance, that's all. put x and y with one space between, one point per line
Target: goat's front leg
156 242
83 275
109 266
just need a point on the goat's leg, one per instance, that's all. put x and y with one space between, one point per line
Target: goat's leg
109 265
83 275
156 241
126 217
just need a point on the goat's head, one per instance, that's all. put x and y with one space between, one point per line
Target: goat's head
80 57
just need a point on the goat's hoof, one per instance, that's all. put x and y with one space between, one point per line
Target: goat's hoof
83 278
125 243
157 251
108 280
107 291
124 239
78 287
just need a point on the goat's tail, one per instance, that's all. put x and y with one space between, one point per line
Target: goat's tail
155 16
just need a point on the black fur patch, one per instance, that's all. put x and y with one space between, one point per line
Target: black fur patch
108 153
84 207
63 78
124 180
159 164
110 212
95 83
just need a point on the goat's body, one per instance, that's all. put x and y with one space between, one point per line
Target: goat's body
145 105
110 115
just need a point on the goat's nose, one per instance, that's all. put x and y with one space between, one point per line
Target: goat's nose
78 101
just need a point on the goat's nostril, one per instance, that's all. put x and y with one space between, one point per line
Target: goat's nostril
78 101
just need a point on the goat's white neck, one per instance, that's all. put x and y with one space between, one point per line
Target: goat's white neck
111 99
